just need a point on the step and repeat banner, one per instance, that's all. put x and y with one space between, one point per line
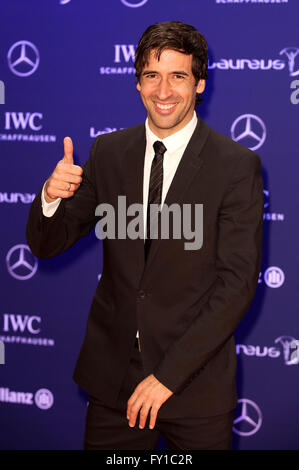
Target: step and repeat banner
67 68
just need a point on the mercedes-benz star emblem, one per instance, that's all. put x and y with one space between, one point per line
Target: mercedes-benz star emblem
131 4
23 58
249 130
21 263
249 418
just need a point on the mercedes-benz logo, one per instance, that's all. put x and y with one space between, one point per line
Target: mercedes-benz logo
249 129
131 3
23 58
249 418
21 263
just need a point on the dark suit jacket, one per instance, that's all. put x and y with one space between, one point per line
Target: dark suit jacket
185 304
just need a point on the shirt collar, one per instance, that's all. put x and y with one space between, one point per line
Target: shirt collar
174 141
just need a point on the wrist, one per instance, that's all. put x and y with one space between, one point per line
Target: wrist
48 199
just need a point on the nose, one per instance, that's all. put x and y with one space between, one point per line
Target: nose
164 89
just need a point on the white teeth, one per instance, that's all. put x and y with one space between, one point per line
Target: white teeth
165 106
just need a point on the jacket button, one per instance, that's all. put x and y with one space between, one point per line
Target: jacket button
141 294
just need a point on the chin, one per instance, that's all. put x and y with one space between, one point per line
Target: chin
166 123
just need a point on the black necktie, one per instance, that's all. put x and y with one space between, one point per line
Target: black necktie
155 189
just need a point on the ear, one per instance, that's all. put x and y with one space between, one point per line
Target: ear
201 86
138 86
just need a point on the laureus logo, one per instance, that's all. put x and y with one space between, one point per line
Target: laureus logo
291 53
290 349
292 56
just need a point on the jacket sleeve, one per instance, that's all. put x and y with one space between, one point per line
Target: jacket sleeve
238 260
74 217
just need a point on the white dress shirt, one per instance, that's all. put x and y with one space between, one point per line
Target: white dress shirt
175 146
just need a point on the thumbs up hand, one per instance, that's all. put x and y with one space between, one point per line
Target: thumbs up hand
68 150
66 178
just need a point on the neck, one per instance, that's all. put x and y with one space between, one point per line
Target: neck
163 133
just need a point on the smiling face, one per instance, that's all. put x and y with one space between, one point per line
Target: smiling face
168 91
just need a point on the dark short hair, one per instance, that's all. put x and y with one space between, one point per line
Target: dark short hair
176 36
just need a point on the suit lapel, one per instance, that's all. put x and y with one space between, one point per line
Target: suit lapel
132 169
133 165
189 166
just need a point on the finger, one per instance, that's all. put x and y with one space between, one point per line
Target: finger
55 184
58 189
131 402
63 167
133 412
71 187
67 177
60 193
68 150
143 415
153 417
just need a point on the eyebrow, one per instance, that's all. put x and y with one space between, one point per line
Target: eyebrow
176 72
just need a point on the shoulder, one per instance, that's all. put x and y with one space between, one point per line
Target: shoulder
109 150
225 151
120 138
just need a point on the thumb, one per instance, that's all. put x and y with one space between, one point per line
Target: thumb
68 150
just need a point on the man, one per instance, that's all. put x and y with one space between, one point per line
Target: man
178 377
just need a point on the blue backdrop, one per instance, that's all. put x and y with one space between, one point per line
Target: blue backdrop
66 68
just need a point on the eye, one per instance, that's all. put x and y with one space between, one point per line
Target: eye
178 76
151 76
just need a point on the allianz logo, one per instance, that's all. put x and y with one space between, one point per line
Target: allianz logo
10 396
14 198
43 398
288 347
